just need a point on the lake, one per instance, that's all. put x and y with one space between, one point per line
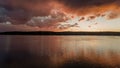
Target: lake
19 51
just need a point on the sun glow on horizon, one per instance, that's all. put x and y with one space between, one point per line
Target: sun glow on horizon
90 22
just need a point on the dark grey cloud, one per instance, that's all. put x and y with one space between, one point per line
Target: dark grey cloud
20 11
15 16
35 7
3 14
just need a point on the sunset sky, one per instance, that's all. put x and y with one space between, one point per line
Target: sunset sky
60 15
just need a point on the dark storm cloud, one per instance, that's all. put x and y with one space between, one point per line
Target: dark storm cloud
43 7
35 7
89 6
3 14
87 3
21 11
16 16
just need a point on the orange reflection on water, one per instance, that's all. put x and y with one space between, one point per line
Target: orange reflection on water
94 49
57 50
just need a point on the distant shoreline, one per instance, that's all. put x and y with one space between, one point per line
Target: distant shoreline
61 33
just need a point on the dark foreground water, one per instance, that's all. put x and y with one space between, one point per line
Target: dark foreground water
59 51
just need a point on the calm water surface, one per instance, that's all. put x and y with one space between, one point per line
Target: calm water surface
47 51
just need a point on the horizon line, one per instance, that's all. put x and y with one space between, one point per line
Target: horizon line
60 33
